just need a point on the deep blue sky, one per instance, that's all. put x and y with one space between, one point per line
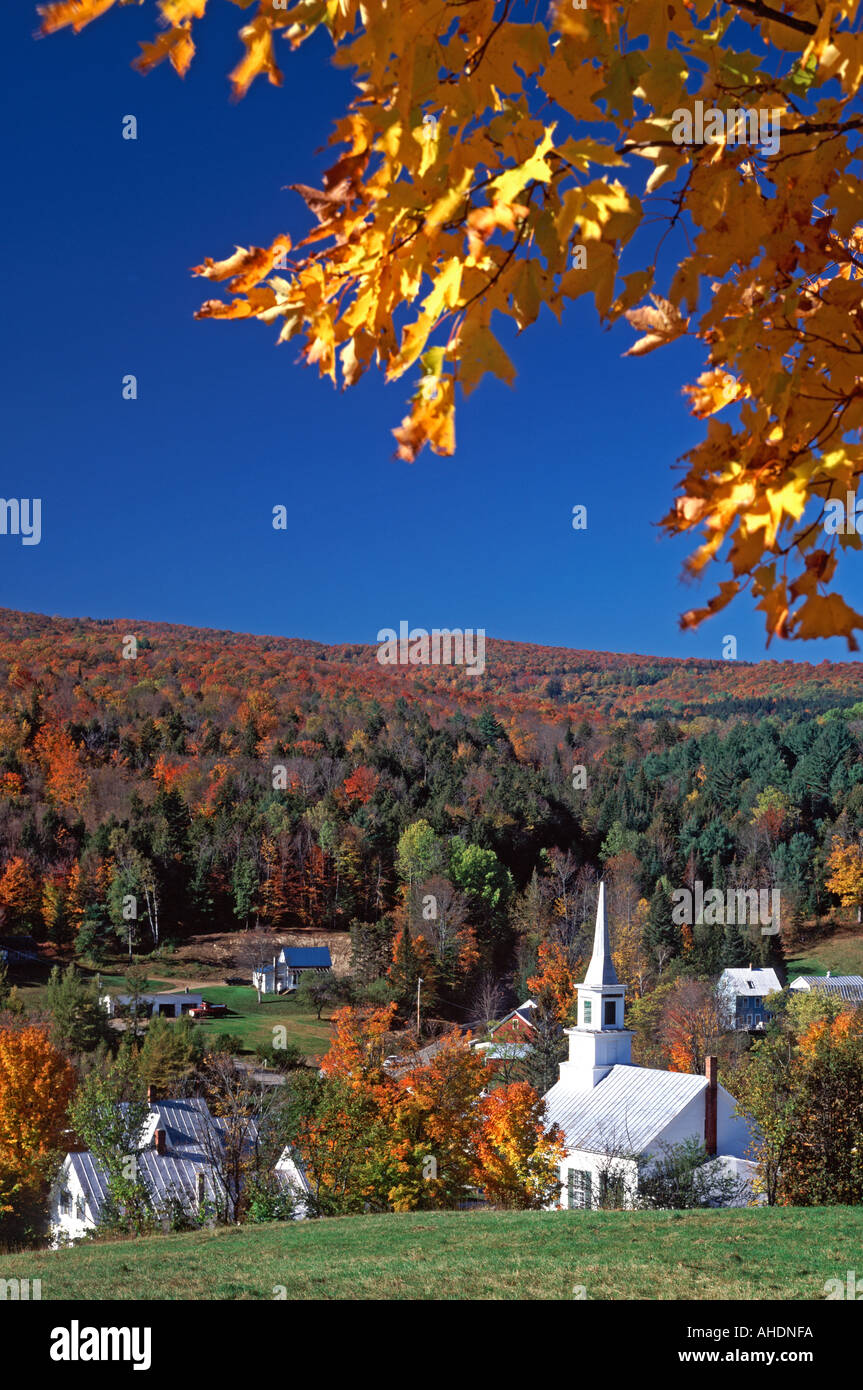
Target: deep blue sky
161 508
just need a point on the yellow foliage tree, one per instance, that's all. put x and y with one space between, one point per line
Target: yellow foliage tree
491 166
845 863
36 1084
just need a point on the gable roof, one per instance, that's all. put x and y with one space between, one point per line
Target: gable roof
523 1011
172 1176
626 1110
307 956
738 979
847 987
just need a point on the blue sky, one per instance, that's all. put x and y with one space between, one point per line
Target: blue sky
161 508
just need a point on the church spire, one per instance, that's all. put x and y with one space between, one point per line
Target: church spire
599 1041
601 971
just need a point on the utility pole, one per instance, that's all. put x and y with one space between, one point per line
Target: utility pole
419 987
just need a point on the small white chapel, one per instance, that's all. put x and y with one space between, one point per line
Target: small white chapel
613 1113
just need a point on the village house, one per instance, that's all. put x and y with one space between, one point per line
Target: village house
614 1114
175 1165
166 1005
511 1036
288 966
743 992
848 988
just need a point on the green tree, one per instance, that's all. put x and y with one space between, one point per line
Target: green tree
170 1053
109 1115
78 1020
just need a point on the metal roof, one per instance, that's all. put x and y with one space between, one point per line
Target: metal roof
307 956
739 979
848 987
166 998
625 1111
173 1176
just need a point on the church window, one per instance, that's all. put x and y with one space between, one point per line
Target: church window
610 1012
587 1010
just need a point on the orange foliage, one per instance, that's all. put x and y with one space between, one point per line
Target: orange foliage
556 978
65 778
36 1085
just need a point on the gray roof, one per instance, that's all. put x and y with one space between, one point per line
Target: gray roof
741 980
625 1111
848 987
172 1176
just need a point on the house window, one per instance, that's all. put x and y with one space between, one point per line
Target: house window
578 1189
587 1010
79 1209
610 1012
66 1203
748 1020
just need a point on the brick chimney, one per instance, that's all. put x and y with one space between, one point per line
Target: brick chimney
159 1141
710 1105
151 1094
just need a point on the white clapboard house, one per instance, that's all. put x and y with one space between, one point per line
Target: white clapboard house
179 1140
613 1113
289 965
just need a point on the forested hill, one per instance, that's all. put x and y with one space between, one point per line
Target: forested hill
519 678
225 781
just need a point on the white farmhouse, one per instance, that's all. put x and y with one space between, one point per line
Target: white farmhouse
175 1166
612 1112
288 967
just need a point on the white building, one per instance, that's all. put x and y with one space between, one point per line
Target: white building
149 1005
848 988
743 992
289 965
175 1166
614 1114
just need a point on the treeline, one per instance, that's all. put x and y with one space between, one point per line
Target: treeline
209 782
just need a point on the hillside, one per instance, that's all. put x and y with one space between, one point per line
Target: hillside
218 782
550 682
774 1253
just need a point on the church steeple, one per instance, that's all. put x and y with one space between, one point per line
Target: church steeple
599 1041
601 971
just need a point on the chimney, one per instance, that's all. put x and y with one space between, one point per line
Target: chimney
829 973
159 1141
710 1105
151 1094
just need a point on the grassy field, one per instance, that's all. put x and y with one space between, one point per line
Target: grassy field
248 1020
253 1022
841 954
768 1253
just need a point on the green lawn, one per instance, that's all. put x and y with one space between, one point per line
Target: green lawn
248 1020
254 1023
767 1253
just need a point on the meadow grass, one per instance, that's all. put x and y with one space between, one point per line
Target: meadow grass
756 1253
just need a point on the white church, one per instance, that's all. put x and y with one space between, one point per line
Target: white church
612 1112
